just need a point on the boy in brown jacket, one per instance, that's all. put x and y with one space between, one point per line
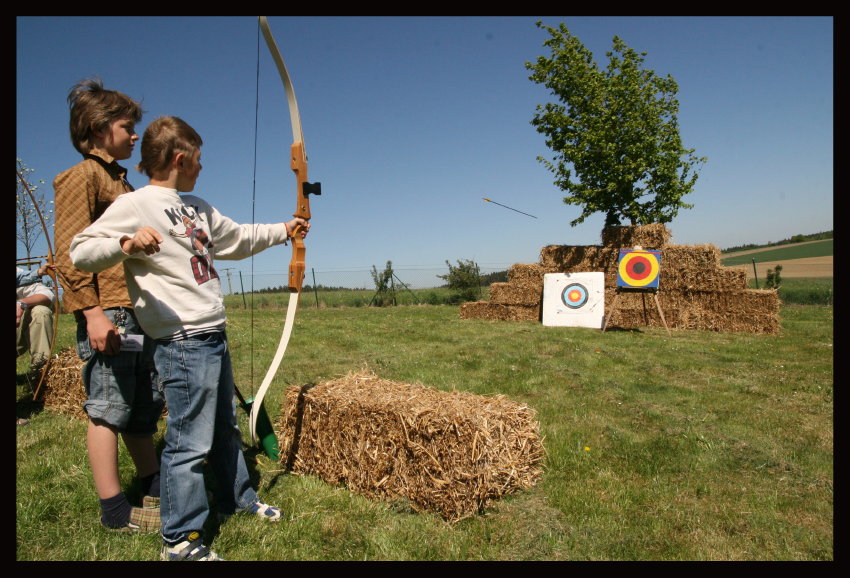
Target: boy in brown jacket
121 389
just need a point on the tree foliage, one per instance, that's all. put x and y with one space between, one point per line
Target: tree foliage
385 291
614 133
464 280
774 278
28 226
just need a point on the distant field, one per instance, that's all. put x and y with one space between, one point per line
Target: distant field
805 250
809 259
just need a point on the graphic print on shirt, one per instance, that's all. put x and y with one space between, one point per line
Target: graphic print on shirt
201 262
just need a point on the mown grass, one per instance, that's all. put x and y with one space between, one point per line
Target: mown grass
803 290
695 446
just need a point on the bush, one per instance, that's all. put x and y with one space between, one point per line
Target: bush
464 280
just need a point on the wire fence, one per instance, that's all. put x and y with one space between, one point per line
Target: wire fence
407 285
234 281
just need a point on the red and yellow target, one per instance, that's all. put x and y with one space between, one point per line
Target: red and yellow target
638 268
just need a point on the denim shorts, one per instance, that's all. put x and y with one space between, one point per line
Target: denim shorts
122 390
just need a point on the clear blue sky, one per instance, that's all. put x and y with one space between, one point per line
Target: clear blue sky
409 121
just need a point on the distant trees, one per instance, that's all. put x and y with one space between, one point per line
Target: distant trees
494 277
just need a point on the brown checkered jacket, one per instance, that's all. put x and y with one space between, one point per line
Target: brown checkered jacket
82 194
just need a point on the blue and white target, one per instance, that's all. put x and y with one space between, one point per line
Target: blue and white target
574 295
574 299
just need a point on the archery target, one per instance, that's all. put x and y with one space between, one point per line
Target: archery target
574 295
638 268
574 299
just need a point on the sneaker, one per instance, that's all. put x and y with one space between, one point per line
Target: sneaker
192 548
263 511
150 501
142 521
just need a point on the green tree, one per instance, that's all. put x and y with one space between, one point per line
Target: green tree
464 280
615 130
385 290
774 278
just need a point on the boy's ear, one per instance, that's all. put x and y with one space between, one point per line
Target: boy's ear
99 135
177 161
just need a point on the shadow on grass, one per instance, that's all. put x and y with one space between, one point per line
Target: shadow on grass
25 407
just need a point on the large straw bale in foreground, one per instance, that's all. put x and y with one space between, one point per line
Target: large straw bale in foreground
452 453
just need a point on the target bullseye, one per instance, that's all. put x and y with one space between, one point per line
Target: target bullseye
638 268
574 295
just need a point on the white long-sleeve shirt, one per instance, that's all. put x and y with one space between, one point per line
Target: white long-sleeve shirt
177 291
29 283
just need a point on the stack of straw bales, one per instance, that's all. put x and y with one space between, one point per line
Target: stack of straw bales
452 453
695 291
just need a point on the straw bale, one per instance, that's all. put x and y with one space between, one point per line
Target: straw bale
707 279
480 310
690 256
522 293
580 258
526 272
533 286
751 311
653 236
745 311
452 453
63 390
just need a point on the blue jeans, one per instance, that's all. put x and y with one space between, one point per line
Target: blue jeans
197 378
121 389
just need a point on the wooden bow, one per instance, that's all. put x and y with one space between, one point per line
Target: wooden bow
53 276
259 424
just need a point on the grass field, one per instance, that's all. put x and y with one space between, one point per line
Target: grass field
695 446
805 250
811 259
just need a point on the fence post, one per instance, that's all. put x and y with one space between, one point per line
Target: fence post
242 286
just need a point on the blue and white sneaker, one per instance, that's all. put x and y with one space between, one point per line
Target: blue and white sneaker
259 509
192 548
264 511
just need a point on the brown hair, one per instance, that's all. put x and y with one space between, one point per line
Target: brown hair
94 108
164 138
